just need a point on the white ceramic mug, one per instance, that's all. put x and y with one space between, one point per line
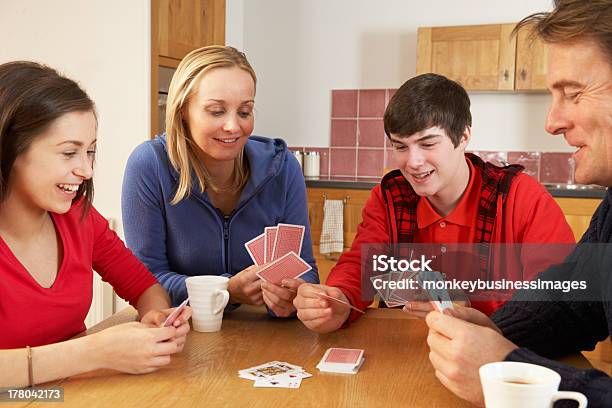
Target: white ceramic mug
509 384
208 296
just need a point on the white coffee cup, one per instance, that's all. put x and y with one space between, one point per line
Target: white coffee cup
208 296
509 384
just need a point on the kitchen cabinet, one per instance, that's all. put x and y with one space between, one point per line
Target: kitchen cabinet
578 213
354 202
483 57
178 27
184 25
531 62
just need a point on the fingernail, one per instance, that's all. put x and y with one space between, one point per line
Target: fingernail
285 282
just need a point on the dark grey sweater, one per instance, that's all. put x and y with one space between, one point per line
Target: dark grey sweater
548 325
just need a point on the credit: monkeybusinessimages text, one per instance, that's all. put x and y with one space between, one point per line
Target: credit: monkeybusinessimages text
480 285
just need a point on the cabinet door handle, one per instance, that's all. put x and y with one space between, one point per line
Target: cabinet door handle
523 74
506 75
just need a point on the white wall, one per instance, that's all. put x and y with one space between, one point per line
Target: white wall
105 46
301 49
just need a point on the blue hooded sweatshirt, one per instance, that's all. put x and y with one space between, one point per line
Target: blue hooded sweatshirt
195 238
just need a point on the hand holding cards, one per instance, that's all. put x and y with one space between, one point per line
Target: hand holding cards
278 251
341 360
175 314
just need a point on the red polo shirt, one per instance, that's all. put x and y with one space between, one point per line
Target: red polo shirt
458 226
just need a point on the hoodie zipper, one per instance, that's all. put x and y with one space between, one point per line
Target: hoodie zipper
226 225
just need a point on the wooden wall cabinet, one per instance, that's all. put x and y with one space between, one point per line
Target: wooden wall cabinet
531 62
185 25
178 27
483 57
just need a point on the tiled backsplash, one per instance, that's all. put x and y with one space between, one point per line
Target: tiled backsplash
359 146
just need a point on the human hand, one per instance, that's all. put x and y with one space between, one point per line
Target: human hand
319 314
156 318
280 298
420 309
134 347
245 287
472 315
459 348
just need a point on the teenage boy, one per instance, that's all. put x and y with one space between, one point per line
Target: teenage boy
439 194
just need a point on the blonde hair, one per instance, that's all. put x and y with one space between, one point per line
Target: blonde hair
182 150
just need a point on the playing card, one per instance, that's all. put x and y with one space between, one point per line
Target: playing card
289 266
278 383
172 317
270 233
381 283
268 370
256 249
288 239
325 295
435 288
342 356
274 370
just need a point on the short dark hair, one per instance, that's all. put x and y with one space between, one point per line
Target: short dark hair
32 96
573 20
425 101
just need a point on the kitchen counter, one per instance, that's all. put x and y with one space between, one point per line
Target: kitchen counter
360 183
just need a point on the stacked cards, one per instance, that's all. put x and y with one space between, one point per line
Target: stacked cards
278 251
341 360
275 374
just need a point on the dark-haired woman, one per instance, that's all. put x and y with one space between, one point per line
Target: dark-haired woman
51 240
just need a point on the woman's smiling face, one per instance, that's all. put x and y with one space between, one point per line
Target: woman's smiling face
220 112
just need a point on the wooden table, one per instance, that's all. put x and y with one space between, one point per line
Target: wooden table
396 371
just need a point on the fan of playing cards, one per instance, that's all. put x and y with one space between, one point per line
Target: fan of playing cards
278 251
397 288
341 360
275 374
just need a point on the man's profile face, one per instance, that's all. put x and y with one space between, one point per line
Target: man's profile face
429 160
580 79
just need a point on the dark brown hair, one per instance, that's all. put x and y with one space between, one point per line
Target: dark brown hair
425 101
32 96
574 20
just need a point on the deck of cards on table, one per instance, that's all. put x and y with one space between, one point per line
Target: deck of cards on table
277 250
275 374
341 360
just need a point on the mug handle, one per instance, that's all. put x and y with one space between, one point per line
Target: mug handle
225 295
571 395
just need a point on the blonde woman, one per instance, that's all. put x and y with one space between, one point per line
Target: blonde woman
193 196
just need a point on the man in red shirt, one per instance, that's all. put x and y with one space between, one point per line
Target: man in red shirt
438 194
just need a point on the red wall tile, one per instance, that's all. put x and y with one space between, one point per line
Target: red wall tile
371 103
556 168
344 103
530 160
370 162
342 162
371 133
344 133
